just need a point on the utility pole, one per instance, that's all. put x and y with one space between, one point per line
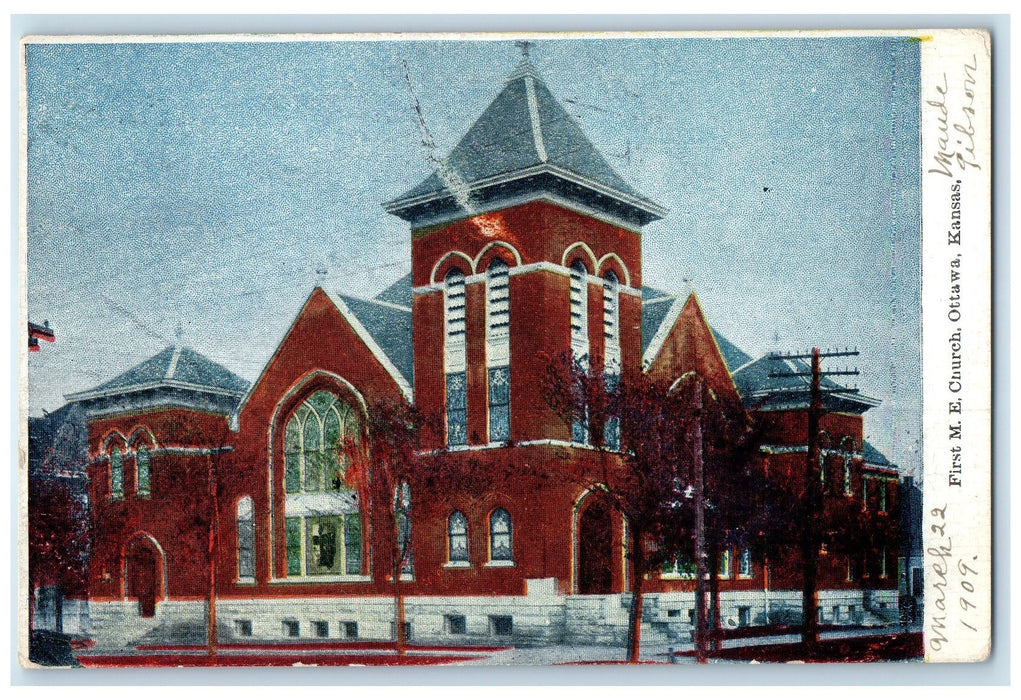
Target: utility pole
813 489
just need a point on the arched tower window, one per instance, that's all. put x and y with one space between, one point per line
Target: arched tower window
498 349
579 341
457 538
116 473
142 472
454 358
611 319
246 539
402 514
501 545
579 309
322 520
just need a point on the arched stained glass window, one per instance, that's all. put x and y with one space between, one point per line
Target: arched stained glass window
142 471
315 444
116 473
500 536
457 538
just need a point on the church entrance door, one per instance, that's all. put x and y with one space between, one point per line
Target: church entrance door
595 549
143 579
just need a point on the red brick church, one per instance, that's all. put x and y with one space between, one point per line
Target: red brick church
525 244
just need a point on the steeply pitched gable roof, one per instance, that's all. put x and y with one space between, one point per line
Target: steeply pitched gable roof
656 307
522 134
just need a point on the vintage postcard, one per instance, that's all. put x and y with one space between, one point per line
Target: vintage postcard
505 349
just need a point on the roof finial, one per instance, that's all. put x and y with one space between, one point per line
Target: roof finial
524 45
179 332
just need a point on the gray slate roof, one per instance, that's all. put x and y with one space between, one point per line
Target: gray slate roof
174 364
760 390
511 137
874 456
389 325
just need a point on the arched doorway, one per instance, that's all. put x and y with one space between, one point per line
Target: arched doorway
595 548
143 575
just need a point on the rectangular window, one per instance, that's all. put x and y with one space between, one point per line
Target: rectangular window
847 476
321 628
291 628
323 544
682 567
246 548
499 404
454 624
882 495
350 629
882 563
501 625
457 409
293 527
243 628
353 544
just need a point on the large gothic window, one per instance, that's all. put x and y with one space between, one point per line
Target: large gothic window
323 525
315 444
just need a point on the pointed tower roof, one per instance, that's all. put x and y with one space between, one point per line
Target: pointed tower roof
524 146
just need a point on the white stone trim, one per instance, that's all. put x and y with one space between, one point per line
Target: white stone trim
533 113
306 580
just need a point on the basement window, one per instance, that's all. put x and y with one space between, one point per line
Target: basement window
350 629
501 625
291 628
321 628
454 624
243 628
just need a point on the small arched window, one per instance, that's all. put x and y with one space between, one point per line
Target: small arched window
246 539
142 472
457 538
116 473
501 547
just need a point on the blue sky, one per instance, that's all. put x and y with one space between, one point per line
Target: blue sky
212 185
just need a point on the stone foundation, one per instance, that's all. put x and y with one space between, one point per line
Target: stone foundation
540 618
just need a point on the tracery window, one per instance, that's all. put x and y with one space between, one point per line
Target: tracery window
315 444
323 525
500 536
457 409
457 538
